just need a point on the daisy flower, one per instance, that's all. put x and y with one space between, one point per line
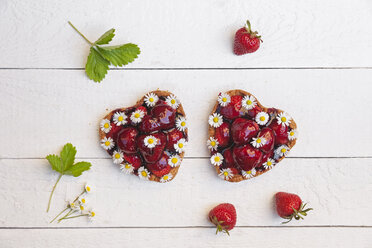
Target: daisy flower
166 178
81 208
91 215
136 116
174 161
143 173
151 99
82 200
249 174
118 157
88 188
215 120
283 119
212 144
107 143
224 99
105 125
226 174
262 118
127 168
120 118
172 101
180 145
292 134
150 141
282 150
73 206
217 159
249 102
269 164
258 142
181 123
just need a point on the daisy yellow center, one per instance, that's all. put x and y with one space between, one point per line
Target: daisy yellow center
151 99
180 145
117 155
83 200
269 163
224 99
215 119
291 133
225 173
72 204
213 143
173 101
283 150
127 166
81 208
106 125
283 119
249 102
120 118
174 160
183 124
136 115
216 159
258 141
144 173
165 177
262 118
150 141
92 214
88 188
249 172
107 143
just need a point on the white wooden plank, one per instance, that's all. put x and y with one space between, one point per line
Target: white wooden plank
195 237
188 33
335 188
42 110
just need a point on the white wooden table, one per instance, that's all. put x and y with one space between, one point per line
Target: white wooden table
315 63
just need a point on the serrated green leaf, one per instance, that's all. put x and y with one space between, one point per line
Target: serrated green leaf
97 66
67 156
120 55
106 37
56 162
78 168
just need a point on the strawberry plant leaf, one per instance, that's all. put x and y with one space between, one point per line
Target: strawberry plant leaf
67 156
97 66
55 162
106 37
78 168
120 55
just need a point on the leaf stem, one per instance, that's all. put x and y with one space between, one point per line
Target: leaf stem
58 215
51 194
75 216
69 212
85 38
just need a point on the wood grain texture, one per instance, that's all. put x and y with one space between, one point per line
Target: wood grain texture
42 110
335 188
240 237
188 33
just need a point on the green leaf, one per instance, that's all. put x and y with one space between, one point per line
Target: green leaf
67 156
97 66
78 168
120 55
55 162
106 37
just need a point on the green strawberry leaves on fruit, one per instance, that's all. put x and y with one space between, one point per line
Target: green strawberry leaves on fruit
65 165
100 57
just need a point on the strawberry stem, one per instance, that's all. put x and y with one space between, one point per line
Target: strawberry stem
297 214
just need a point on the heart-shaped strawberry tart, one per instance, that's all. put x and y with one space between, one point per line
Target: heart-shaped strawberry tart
245 138
149 138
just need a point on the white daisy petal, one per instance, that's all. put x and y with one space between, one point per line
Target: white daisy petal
120 118
215 120
88 188
107 143
172 101
224 99
151 99
282 151
249 174
150 141
283 119
118 157
174 160
217 159
249 102
292 135
143 173
91 215
73 206
83 200
166 178
105 125
269 164
180 146
258 142
212 144
127 168
181 123
226 174
136 116
262 118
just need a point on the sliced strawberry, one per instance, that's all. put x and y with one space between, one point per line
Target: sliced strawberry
126 140
222 134
281 132
173 137
151 155
247 157
232 110
161 167
242 130
133 159
253 112
228 159
269 136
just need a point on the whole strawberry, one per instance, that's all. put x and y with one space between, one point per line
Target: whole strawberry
246 40
289 206
224 217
